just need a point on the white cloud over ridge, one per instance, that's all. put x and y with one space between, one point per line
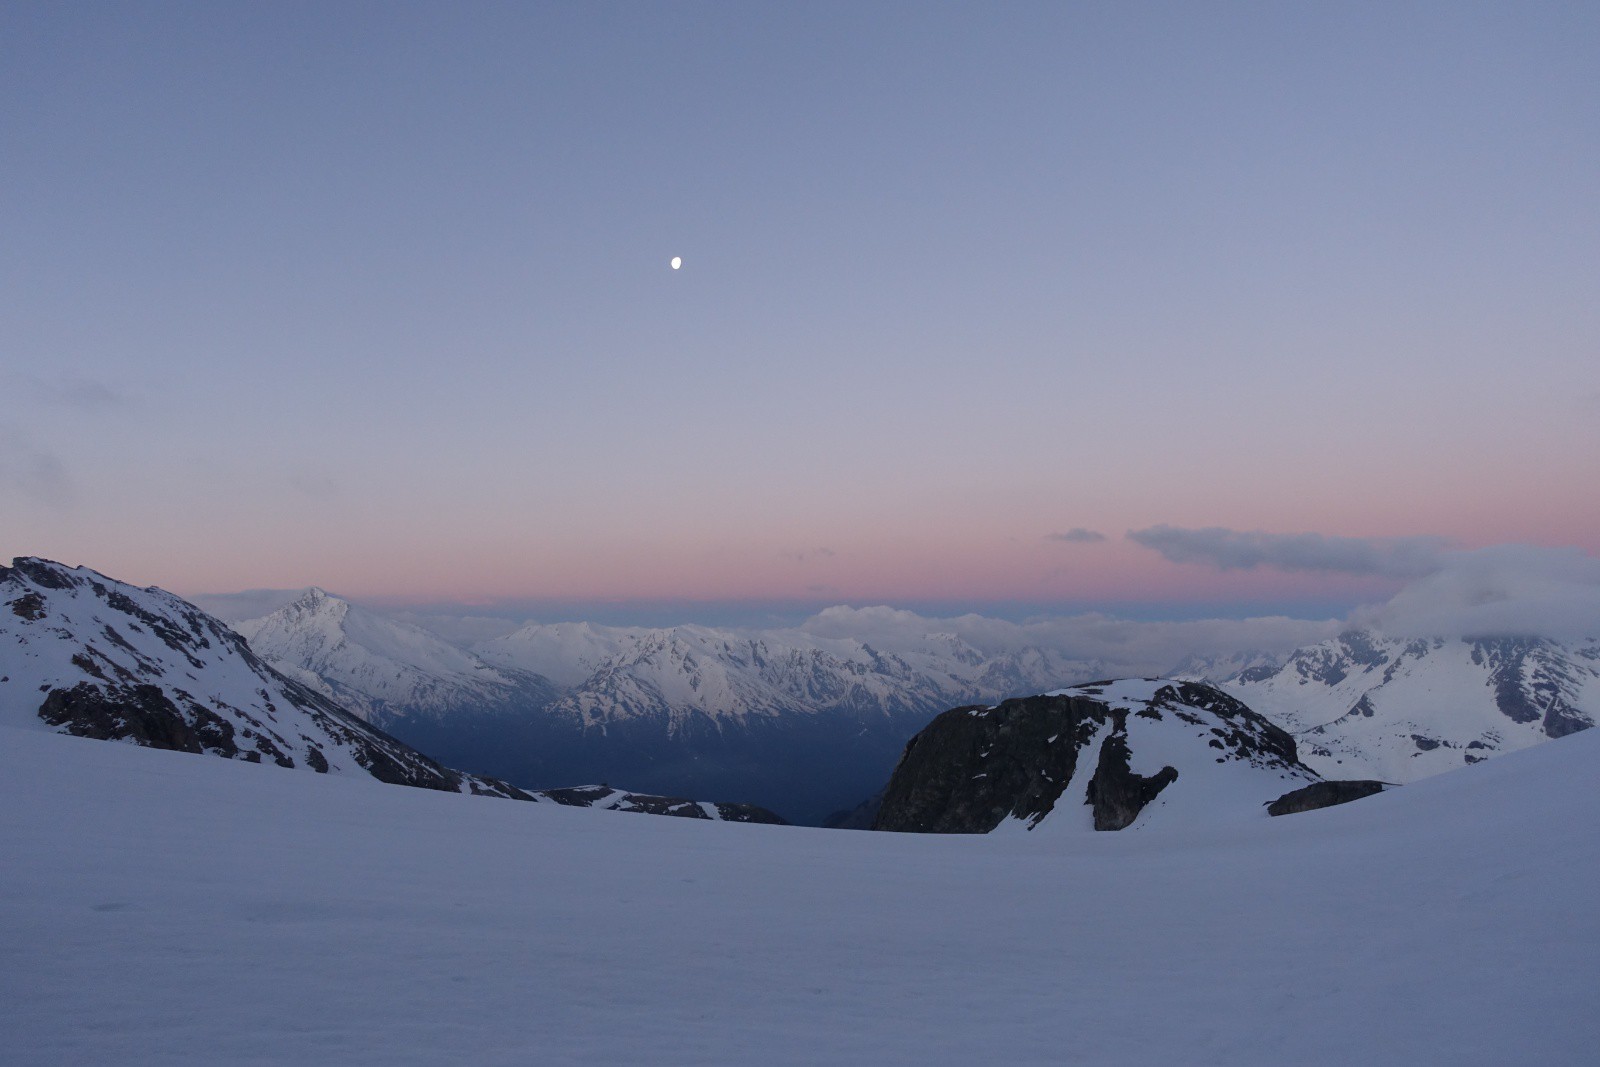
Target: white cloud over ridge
1105 644
1503 590
1520 590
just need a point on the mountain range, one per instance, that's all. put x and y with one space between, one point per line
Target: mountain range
803 723
809 725
1369 705
786 719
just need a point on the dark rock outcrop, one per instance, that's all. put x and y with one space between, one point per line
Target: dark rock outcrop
1322 795
142 714
972 768
1119 795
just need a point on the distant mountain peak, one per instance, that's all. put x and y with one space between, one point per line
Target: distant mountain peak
383 669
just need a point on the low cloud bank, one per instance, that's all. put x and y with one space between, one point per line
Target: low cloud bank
1518 590
1507 589
1112 646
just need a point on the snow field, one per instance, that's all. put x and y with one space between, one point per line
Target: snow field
165 908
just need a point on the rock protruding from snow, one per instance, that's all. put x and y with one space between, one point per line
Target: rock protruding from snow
608 799
1102 756
1322 795
87 655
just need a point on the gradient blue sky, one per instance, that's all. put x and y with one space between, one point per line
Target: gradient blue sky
376 296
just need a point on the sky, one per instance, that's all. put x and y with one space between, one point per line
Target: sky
1148 307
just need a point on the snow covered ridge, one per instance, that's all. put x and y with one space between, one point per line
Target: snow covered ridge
84 654
594 675
1366 704
382 669
799 723
1103 756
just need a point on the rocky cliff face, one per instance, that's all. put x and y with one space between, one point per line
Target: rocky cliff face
1103 756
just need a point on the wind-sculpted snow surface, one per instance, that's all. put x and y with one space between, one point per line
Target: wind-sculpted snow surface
87 655
164 909
1373 706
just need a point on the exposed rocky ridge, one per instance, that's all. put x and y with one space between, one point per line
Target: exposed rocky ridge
608 799
1397 709
87 655
1118 748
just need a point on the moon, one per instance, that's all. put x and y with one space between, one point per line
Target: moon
677 261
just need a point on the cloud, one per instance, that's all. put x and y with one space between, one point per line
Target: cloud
1389 557
33 473
1100 645
1077 535
1521 590
815 553
76 391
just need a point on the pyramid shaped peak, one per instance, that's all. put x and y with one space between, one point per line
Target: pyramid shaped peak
316 598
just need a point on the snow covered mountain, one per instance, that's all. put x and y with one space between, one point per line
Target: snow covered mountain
682 672
384 670
802 724
83 654
1369 705
782 718
1115 755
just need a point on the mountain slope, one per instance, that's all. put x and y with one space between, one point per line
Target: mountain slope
87 655
1369 705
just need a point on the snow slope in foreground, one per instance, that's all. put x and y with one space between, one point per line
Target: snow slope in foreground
159 907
